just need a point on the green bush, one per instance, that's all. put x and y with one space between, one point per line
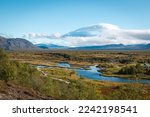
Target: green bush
25 74
13 70
8 70
131 70
74 90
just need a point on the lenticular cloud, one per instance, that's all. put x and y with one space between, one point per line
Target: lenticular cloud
100 34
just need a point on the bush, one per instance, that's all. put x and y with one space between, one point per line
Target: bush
131 91
8 70
13 70
131 70
25 74
74 90
148 71
126 61
3 55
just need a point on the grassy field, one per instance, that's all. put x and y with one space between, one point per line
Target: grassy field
59 83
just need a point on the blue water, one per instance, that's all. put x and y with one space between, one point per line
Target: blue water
43 66
63 64
93 73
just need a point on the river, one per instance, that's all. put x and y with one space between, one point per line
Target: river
93 73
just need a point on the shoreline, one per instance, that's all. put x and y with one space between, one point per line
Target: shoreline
123 76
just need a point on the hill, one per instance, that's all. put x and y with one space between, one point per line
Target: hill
15 44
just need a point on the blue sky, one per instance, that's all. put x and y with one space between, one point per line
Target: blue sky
19 17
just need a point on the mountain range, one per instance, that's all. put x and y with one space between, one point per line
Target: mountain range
103 47
23 44
115 47
50 46
95 37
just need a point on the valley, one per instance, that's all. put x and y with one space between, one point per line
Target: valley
110 62
66 74
74 50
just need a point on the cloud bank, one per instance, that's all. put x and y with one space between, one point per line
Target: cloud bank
100 34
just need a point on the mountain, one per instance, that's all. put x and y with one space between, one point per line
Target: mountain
115 47
16 44
50 46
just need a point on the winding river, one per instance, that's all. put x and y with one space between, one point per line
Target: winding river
93 73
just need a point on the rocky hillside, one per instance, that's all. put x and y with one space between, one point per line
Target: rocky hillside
15 44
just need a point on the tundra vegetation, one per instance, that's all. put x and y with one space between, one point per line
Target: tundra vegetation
17 68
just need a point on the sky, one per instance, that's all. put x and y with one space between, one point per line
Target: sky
49 20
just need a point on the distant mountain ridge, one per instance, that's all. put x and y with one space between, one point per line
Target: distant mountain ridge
23 44
116 47
101 47
50 46
16 44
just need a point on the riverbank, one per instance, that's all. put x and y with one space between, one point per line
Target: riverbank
91 72
127 76
113 71
88 88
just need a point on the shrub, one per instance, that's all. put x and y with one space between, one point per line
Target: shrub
74 90
148 71
13 70
126 61
131 91
131 70
8 70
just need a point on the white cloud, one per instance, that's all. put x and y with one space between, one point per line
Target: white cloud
100 34
36 36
